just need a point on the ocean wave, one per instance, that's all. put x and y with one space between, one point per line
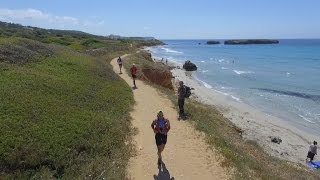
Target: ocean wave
242 72
226 94
221 60
306 119
203 83
171 51
288 74
202 61
235 98
224 68
204 71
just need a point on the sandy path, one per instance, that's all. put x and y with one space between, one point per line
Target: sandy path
186 155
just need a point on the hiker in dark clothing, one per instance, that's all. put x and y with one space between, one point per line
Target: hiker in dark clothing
119 61
312 151
181 97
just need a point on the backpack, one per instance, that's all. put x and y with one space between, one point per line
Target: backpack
188 91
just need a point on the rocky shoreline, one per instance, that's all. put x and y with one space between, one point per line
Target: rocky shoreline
250 41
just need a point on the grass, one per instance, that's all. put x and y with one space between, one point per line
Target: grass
244 158
63 116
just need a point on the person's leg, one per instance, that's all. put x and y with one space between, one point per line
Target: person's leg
120 66
134 82
180 107
160 149
311 157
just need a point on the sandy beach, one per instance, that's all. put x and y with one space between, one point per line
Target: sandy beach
255 124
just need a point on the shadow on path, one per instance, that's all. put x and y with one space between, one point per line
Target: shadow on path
164 174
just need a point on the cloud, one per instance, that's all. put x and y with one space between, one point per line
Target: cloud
34 15
93 23
23 14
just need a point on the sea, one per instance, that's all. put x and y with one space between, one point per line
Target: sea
282 80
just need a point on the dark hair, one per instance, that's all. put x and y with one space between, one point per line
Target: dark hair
315 142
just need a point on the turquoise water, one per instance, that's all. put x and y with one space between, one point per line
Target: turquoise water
282 80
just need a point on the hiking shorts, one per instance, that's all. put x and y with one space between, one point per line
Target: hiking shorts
160 139
310 155
134 76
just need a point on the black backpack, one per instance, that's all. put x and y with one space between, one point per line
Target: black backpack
188 91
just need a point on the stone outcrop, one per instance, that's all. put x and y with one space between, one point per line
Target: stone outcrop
250 41
277 140
213 42
189 66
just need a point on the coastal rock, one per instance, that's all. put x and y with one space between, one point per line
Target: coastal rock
250 41
213 42
277 140
189 66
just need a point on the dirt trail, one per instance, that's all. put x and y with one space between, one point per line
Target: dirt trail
186 156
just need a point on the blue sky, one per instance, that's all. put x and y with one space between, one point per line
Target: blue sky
172 19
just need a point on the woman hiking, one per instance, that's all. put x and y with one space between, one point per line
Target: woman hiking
119 61
133 71
160 127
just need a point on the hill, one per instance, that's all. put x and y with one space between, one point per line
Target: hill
63 111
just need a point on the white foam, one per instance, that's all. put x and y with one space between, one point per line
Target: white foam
204 71
226 94
288 74
171 51
224 68
306 119
220 60
235 98
202 61
204 83
242 72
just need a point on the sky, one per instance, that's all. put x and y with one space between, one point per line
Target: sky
172 19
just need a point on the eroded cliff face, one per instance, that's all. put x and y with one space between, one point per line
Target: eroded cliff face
158 76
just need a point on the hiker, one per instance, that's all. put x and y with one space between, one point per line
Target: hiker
312 151
181 97
167 61
133 71
120 63
160 127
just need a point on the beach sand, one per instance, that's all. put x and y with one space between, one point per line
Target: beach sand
257 125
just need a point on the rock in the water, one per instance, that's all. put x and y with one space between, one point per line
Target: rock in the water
189 66
277 140
213 42
250 41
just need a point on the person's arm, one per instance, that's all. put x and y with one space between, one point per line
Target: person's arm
153 126
168 125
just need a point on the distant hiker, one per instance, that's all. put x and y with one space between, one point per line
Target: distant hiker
181 97
166 61
312 151
120 63
160 127
161 59
133 71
